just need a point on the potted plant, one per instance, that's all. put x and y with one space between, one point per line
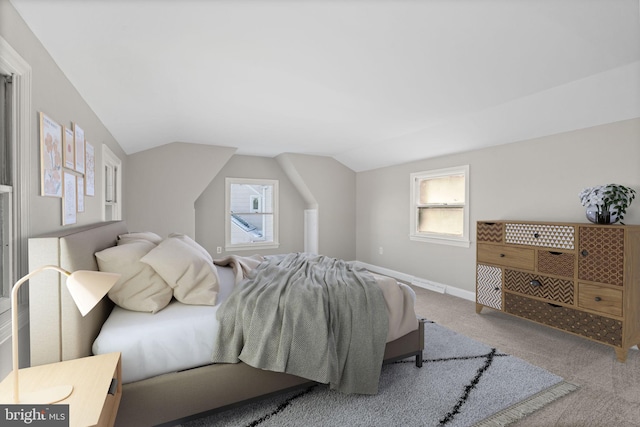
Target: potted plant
607 204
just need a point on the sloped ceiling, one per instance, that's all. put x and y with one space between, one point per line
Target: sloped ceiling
370 83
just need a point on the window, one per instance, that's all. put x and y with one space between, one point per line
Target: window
440 206
15 178
252 220
112 189
6 191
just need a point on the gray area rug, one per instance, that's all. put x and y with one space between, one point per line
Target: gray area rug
462 383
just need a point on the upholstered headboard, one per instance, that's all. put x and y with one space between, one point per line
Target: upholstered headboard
57 330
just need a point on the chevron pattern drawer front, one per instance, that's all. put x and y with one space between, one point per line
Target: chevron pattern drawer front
558 263
589 325
489 286
489 232
549 288
547 235
601 255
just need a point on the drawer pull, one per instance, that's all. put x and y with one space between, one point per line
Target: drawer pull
555 253
584 252
598 299
501 255
113 387
536 235
496 288
535 283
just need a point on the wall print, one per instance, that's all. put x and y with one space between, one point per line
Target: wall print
69 200
80 192
69 149
90 173
50 157
79 141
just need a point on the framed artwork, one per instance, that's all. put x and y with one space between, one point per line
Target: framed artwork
90 172
80 192
78 139
69 149
50 157
69 200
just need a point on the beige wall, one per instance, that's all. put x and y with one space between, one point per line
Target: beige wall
210 206
531 180
332 187
53 94
165 182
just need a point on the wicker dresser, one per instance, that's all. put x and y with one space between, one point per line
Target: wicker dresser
579 278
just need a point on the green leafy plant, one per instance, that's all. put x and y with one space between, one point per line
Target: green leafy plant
612 198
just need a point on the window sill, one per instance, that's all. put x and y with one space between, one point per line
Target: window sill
441 240
252 247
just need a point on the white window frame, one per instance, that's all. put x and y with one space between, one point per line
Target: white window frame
441 238
12 63
275 243
111 162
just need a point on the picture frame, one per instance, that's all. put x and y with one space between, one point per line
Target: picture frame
69 199
80 193
50 157
69 153
78 134
90 172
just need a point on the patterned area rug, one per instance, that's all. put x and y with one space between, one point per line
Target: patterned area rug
462 383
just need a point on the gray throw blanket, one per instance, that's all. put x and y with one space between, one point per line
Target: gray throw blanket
312 316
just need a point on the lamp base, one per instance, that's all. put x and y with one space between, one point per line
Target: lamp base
47 395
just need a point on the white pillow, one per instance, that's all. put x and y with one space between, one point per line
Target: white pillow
139 288
140 235
187 270
188 240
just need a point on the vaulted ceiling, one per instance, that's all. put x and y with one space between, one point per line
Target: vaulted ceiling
370 83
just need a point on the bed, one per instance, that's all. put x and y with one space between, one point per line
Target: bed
58 332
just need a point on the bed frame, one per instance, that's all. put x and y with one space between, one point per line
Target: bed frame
58 332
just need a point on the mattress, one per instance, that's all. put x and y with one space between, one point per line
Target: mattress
178 337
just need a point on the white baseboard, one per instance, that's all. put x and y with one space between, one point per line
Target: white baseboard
420 282
427 284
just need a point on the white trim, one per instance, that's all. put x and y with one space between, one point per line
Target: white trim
275 243
12 63
113 161
414 235
420 282
311 231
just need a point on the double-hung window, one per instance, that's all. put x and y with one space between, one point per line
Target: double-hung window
6 192
252 214
440 206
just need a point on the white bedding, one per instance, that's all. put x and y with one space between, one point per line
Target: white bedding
178 337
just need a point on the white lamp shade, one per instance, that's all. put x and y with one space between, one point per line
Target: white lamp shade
87 288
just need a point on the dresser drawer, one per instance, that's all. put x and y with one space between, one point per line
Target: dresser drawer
556 263
523 258
489 232
557 290
599 298
588 325
489 286
546 235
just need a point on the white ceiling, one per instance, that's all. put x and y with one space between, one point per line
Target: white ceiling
370 83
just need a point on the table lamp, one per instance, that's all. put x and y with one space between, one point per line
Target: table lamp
86 288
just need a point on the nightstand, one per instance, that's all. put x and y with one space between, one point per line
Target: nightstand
94 401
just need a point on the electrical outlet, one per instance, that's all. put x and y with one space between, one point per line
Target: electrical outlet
380 251
219 250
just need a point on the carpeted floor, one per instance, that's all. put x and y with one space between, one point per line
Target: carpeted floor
609 393
461 383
